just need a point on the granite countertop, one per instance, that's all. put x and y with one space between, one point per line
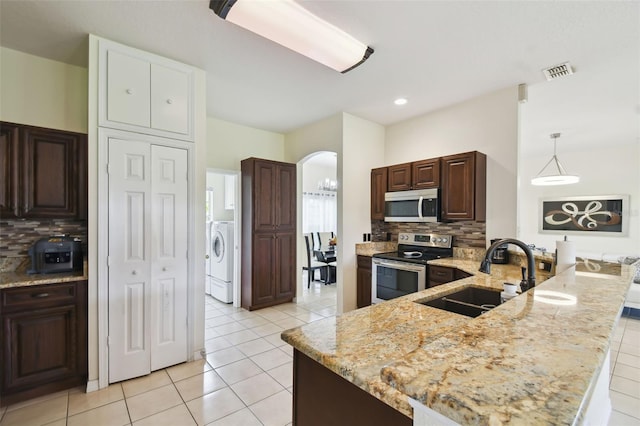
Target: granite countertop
372 247
20 278
526 361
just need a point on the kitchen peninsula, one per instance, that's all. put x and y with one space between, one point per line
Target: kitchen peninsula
535 359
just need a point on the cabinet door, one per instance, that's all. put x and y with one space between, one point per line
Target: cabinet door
426 174
128 89
148 257
363 282
9 185
265 263
129 255
264 196
50 170
378 189
169 99
399 177
285 284
285 201
169 263
440 275
458 183
40 346
464 186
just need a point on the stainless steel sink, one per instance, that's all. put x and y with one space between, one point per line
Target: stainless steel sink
471 301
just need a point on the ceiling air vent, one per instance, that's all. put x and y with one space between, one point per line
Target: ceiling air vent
557 71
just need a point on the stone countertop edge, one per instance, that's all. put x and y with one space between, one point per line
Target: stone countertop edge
524 361
22 279
373 247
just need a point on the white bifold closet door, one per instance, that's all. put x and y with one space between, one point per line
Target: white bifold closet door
147 257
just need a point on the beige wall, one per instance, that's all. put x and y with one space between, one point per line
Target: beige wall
363 148
229 143
488 124
42 92
350 137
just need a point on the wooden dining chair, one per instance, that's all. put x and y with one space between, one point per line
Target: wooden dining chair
312 264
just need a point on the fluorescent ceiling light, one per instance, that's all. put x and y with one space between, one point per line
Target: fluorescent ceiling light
289 24
400 101
561 177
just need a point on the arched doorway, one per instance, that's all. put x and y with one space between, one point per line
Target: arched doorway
319 224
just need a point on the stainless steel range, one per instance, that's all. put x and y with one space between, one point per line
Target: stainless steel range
402 272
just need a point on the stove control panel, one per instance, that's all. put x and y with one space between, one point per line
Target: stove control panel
426 240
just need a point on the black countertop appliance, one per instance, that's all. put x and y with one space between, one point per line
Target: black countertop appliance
59 253
501 255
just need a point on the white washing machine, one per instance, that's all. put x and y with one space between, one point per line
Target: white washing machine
221 258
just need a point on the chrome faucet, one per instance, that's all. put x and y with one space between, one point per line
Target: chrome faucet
530 282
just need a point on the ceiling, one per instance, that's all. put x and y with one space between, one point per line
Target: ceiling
435 53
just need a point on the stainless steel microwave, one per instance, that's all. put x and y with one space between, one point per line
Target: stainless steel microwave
422 205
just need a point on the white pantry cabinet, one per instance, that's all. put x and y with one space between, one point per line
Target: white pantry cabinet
144 93
146 129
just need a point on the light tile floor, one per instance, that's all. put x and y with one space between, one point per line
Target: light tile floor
246 378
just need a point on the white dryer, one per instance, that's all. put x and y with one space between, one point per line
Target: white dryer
221 259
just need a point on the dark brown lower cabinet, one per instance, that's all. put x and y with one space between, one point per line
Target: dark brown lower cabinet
363 282
321 398
44 339
439 275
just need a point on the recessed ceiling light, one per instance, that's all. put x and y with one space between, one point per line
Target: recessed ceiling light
400 101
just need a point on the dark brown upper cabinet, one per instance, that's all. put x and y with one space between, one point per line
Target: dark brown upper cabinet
399 177
463 195
378 189
45 173
422 174
425 174
9 157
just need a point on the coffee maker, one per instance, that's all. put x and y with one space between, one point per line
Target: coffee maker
501 254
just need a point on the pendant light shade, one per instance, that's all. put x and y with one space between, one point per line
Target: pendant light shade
294 27
559 178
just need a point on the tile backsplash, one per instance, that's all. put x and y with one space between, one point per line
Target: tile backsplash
469 234
17 236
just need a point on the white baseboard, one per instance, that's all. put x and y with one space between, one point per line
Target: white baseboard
93 385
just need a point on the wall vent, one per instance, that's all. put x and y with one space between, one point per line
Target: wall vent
557 71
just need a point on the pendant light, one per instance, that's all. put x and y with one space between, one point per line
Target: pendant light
560 178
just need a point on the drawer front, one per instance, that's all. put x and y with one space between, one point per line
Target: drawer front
38 296
441 274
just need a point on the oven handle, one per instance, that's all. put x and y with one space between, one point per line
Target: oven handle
420 207
404 266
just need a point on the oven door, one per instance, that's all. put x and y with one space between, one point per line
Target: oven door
392 278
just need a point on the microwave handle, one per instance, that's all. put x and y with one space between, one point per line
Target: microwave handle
420 207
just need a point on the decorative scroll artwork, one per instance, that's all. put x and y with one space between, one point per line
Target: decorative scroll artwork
600 215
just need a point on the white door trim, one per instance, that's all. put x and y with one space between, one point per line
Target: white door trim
237 236
103 242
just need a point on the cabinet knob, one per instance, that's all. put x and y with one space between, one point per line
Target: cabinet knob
169 101
206 256
134 272
164 269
